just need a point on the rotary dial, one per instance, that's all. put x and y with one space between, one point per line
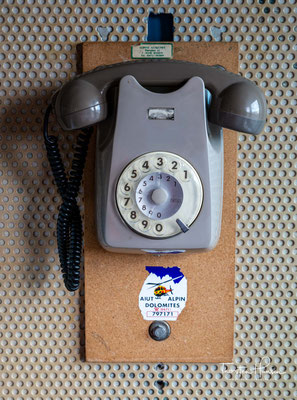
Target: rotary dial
159 195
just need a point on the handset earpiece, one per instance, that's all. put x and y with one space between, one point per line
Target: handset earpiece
79 104
240 107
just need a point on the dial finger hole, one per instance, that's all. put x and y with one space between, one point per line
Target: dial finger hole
133 216
126 203
144 225
184 174
174 166
126 188
159 162
159 229
145 165
133 174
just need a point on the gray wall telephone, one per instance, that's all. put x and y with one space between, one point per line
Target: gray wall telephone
159 161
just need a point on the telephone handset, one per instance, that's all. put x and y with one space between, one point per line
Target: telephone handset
159 154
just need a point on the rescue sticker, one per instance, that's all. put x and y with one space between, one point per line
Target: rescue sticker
163 294
152 50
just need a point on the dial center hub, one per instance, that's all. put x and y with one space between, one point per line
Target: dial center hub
159 196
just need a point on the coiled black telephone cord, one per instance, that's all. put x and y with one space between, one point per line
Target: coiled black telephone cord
69 224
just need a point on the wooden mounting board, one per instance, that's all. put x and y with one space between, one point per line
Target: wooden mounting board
114 328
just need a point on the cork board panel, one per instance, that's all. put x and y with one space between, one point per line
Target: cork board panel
115 329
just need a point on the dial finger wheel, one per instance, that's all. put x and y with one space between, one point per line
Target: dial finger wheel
159 195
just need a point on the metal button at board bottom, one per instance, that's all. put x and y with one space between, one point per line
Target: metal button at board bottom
159 330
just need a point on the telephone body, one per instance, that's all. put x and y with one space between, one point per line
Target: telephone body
159 150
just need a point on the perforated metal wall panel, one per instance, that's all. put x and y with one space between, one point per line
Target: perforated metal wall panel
40 323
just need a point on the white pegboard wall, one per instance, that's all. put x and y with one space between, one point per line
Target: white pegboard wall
40 323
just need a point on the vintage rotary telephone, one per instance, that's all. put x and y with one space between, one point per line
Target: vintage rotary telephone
159 161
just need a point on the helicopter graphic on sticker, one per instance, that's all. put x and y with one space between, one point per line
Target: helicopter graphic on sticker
163 294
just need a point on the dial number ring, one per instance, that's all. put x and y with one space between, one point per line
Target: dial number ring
155 190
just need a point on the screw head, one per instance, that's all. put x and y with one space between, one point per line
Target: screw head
159 330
